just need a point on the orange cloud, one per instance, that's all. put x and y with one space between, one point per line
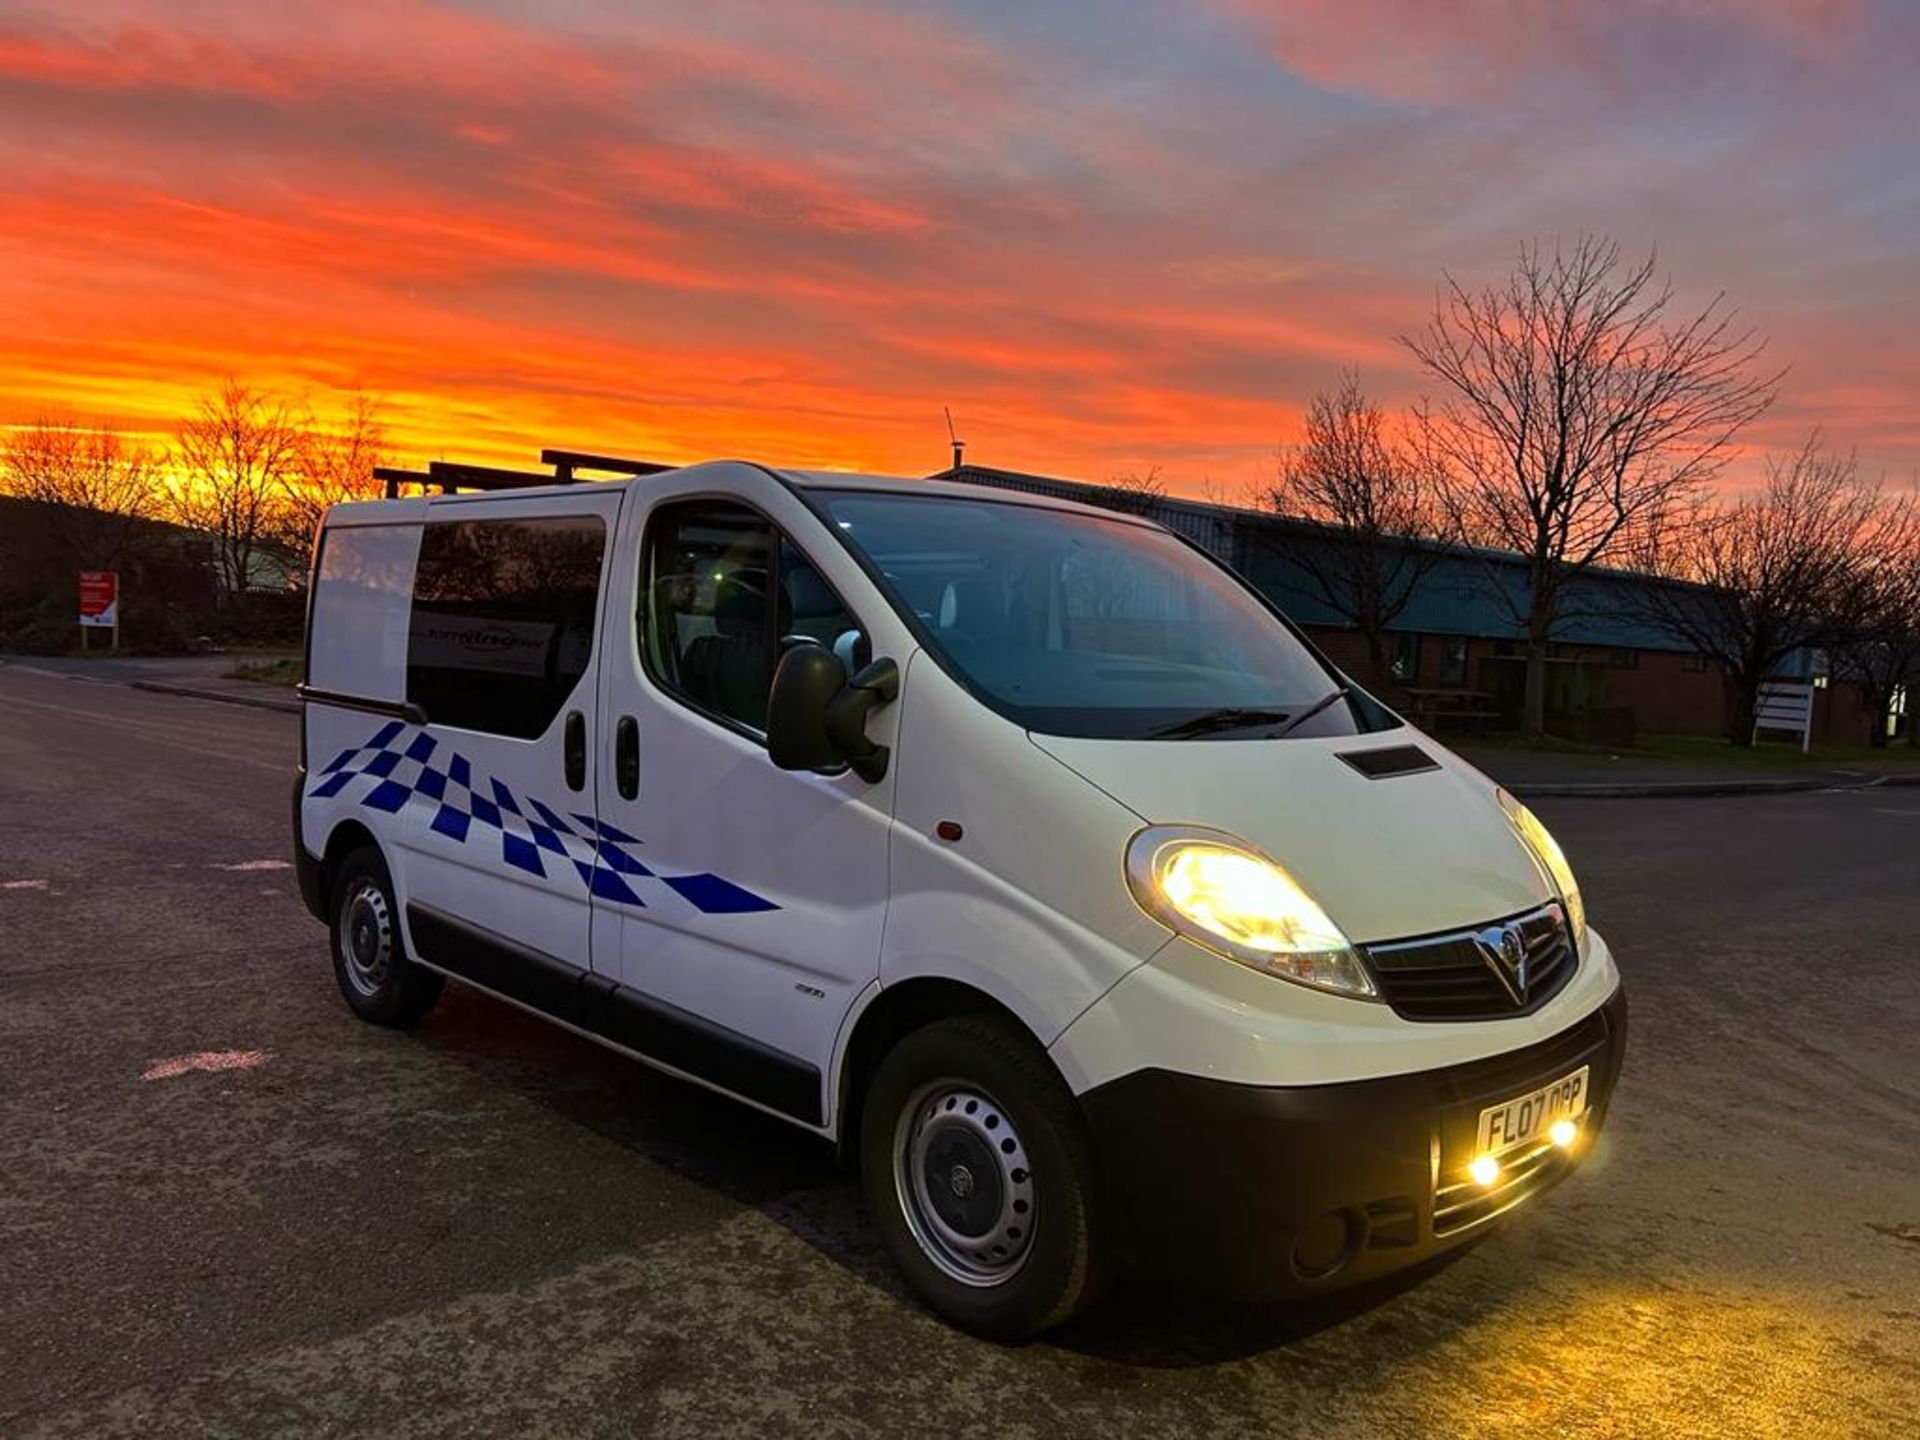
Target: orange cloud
1108 237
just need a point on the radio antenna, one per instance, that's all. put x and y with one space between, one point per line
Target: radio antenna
959 445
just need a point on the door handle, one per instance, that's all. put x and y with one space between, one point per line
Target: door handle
576 750
626 757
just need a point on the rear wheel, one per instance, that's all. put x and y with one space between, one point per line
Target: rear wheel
979 1177
380 983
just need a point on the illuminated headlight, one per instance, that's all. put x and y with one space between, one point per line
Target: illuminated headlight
1546 850
1220 894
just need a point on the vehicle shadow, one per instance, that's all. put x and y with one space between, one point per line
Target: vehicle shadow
742 1156
1147 1325
797 1181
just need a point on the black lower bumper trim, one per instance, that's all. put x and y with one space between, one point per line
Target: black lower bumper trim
1260 1192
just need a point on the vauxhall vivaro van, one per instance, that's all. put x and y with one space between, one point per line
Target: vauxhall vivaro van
1019 847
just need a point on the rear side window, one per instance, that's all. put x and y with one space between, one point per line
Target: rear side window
502 625
358 642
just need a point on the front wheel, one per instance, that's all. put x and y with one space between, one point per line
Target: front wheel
979 1177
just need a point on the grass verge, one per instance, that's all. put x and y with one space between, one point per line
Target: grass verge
281 670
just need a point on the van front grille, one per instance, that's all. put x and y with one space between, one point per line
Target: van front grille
1511 967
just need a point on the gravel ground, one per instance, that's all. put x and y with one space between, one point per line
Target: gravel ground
228 1208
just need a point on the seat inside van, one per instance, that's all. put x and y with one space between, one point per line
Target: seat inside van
730 669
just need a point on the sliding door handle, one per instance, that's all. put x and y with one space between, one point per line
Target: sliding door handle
626 757
576 750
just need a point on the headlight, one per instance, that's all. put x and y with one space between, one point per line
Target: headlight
1216 892
1546 850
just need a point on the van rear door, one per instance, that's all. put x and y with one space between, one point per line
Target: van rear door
500 811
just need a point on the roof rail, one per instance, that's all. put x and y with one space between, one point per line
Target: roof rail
395 477
565 462
451 475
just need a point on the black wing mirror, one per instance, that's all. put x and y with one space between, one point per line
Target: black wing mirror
817 717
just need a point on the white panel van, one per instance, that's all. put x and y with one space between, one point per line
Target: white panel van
1018 847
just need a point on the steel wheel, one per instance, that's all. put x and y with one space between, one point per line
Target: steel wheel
366 938
965 1183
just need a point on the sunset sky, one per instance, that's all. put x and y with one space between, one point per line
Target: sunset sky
1108 235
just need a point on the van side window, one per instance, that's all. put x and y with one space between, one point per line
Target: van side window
722 597
502 624
812 610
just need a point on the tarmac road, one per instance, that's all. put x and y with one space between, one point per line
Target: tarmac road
490 1226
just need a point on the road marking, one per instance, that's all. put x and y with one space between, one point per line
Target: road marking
23 884
255 865
204 1060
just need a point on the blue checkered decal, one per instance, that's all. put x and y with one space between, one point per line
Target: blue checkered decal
402 765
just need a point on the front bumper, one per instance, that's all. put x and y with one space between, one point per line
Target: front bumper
1258 1192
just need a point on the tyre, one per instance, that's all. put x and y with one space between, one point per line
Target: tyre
380 983
979 1177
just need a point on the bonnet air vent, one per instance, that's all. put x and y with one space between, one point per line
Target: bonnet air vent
1393 760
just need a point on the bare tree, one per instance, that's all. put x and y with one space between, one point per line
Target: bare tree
102 485
1371 497
238 453
335 466
1782 569
1226 493
1136 490
1883 659
1577 417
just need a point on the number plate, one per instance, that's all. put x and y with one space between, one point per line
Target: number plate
1526 1117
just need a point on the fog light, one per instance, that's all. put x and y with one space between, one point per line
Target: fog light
1563 1133
1484 1170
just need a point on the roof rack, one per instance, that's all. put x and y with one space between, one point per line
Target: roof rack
565 462
451 476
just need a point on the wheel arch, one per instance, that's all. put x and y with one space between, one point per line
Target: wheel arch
345 838
894 1012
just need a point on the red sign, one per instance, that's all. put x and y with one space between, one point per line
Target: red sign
100 598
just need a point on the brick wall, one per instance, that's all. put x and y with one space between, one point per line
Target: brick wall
1669 692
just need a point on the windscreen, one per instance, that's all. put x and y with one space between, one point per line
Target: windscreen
1072 624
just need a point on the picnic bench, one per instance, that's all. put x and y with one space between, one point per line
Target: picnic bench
1465 709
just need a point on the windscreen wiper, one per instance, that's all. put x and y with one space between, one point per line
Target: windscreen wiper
1312 710
1231 717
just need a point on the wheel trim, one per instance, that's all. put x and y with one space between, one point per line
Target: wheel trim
366 939
965 1183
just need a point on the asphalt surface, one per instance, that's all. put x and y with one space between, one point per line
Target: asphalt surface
491 1227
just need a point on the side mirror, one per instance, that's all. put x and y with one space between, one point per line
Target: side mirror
817 717
808 679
